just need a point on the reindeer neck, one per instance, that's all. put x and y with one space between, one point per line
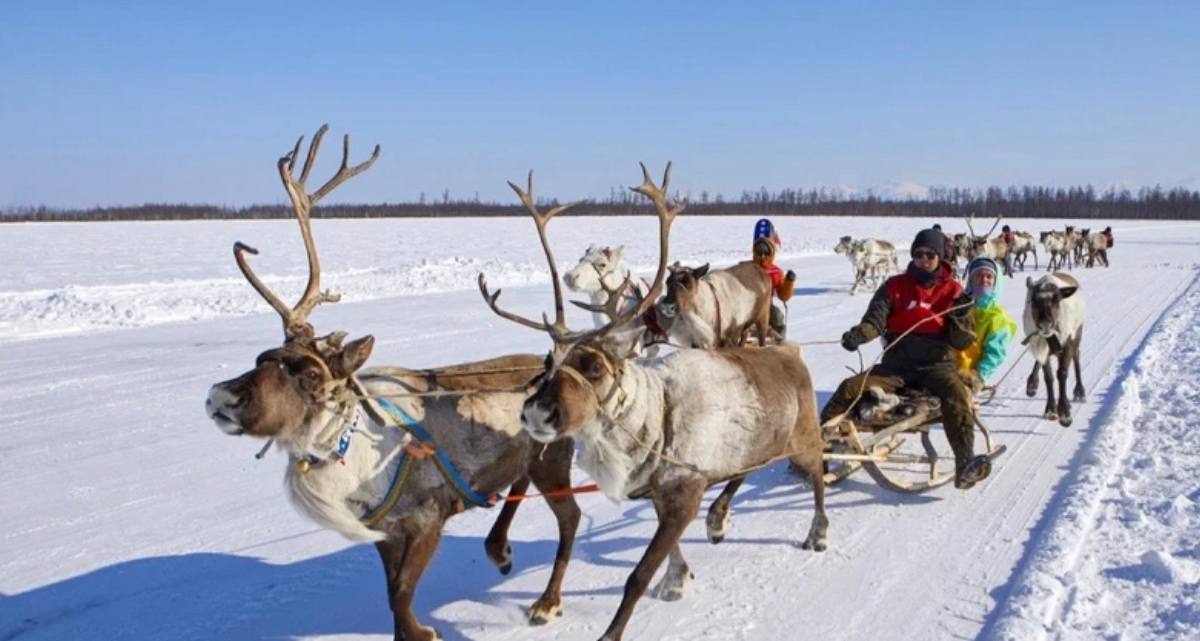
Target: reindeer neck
618 449
349 480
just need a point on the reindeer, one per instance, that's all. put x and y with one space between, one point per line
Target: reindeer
994 248
357 440
870 258
1097 248
1053 323
1022 245
600 275
1081 245
1056 245
696 418
707 309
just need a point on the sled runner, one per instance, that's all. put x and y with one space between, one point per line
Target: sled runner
876 437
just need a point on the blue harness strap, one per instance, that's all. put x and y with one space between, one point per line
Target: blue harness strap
443 462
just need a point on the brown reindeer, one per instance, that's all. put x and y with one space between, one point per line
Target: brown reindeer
1053 321
707 309
369 451
694 419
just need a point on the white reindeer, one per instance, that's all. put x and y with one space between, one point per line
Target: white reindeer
1022 245
1053 320
870 258
599 274
1097 249
1057 246
696 418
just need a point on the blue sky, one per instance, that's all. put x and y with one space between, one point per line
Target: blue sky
122 103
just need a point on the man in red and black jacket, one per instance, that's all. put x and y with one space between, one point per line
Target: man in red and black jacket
925 357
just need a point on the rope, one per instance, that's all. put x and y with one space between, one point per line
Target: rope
566 491
993 388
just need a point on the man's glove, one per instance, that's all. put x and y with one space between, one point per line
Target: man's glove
962 306
790 275
852 339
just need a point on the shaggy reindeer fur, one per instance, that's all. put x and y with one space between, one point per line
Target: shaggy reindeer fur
1053 320
739 297
662 429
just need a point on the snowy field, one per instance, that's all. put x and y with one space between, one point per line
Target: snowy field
128 515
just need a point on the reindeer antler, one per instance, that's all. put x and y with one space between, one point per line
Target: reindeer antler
539 219
563 337
994 225
295 319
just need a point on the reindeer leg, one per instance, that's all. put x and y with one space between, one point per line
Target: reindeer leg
404 561
553 472
718 513
1064 403
499 552
674 582
818 532
1031 384
676 504
1080 394
1051 412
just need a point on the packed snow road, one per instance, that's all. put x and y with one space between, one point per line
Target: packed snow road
128 515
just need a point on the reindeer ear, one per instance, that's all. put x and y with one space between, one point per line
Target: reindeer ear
1065 292
1029 282
352 357
619 252
700 271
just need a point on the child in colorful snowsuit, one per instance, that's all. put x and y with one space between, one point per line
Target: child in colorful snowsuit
994 328
766 244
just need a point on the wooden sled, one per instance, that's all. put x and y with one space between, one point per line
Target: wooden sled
877 446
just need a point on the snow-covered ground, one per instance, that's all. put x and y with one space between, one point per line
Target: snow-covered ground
128 515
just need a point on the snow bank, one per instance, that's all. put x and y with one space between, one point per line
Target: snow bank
1114 562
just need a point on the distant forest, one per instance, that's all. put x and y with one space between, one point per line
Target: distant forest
1149 203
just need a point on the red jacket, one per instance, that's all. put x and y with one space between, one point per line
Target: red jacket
902 303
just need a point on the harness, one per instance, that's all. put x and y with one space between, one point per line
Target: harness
419 446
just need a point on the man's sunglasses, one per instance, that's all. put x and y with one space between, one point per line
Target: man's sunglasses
924 254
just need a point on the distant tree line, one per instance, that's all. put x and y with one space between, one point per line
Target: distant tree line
1149 203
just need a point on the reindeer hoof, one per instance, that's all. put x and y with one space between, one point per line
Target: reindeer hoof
1079 397
717 529
819 545
1031 392
673 590
541 614
1065 420
504 561
1050 415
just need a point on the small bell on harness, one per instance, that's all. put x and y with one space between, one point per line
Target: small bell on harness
303 466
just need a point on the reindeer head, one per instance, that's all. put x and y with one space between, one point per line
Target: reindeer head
582 372
682 284
1043 302
293 387
599 265
844 245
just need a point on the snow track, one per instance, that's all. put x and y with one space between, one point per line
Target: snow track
128 515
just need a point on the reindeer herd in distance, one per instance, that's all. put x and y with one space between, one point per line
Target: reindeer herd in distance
874 260
388 454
